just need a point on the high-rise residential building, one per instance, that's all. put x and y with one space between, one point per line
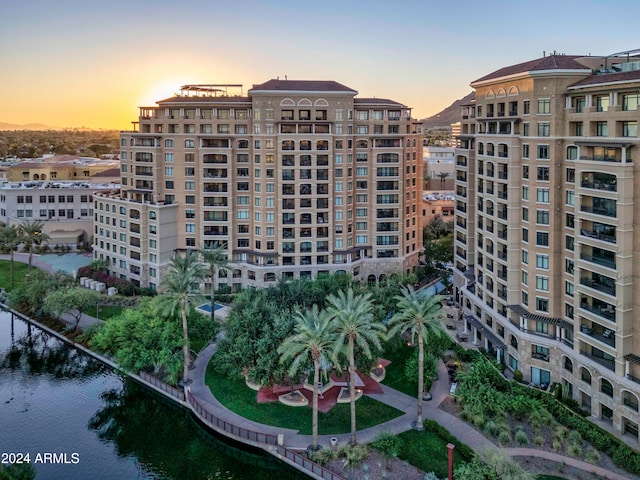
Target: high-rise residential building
546 232
296 178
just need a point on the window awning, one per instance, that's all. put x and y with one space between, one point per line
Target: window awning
633 358
603 143
539 318
485 330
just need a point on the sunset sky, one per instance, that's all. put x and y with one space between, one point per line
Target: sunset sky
69 63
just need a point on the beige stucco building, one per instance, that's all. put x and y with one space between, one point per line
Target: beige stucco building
546 229
296 178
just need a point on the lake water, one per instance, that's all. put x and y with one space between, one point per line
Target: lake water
54 399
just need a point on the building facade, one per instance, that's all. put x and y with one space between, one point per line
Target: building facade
65 208
296 178
546 229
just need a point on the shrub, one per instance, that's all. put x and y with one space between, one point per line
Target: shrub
323 456
504 437
521 437
557 443
463 449
561 432
592 456
574 437
491 429
479 420
538 440
517 376
430 476
575 449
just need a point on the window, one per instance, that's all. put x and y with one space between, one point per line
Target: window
572 153
544 129
525 150
189 143
571 197
542 195
543 174
542 239
525 129
168 171
629 129
542 217
542 261
525 257
525 277
526 107
543 152
525 234
544 106
630 102
525 214
525 171
542 283
570 242
602 103
602 129
190 227
568 288
243 214
542 304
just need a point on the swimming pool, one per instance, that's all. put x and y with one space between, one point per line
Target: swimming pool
206 307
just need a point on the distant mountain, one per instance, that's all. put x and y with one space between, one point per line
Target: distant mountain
28 126
449 115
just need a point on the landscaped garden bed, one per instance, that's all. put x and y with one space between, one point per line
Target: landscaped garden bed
514 415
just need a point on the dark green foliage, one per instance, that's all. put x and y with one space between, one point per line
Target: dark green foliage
19 471
461 448
389 445
28 297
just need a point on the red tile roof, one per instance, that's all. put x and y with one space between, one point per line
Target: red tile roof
303 85
608 78
378 101
551 62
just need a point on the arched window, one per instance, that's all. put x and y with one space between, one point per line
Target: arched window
362 144
414 142
568 364
630 400
585 375
270 277
371 279
514 342
606 387
123 142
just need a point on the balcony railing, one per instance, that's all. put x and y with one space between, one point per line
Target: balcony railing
598 235
610 187
608 337
607 212
601 287
606 262
610 364
608 313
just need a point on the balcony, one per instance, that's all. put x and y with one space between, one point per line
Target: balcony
606 262
598 356
607 212
607 312
601 287
599 235
603 335
608 186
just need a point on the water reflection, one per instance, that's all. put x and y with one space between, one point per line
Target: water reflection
54 398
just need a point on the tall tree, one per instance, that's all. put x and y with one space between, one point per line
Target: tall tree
215 259
33 236
181 292
10 238
355 326
418 315
314 338
72 301
442 176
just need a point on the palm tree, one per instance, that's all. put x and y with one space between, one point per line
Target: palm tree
354 324
180 287
420 316
442 176
314 337
215 259
10 238
33 235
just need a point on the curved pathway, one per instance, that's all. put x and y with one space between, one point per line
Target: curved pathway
439 391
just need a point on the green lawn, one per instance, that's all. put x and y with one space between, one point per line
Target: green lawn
395 377
428 451
236 396
19 272
105 312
